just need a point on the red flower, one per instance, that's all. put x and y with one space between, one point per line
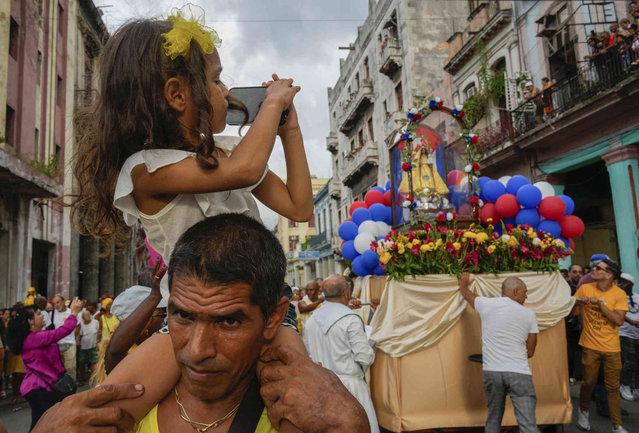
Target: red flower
402 145
472 258
440 104
476 166
474 139
458 233
418 116
513 252
393 232
474 200
411 199
454 215
461 114
428 227
449 247
509 228
374 245
441 217
525 251
415 250
411 236
406 166
442 229
394 246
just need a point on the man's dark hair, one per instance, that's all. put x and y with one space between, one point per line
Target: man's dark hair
573 265
232 248
613 268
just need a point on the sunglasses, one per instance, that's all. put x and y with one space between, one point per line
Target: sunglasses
599 268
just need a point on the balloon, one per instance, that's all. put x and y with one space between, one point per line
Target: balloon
552 208
379 270
551 227
360 215
546 189
565 241
382 228
373 196
378 212
454 177
389 215
388 186
492 190
529 196
572 244
378 188
570 204
498 229
359 267
370 259
356 205
507 205
368 226
463 184
481 182
512 221
571 226
348 219
347 230
388 198
348 251
504 180
488 211
527 216
342 245
363 241
516 182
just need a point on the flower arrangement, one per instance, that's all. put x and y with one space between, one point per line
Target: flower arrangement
444 249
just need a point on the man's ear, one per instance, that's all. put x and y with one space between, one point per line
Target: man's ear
177 94
275 319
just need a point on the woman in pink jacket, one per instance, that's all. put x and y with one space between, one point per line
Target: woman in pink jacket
40 352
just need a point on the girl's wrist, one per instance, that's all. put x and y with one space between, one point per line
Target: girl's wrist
291 134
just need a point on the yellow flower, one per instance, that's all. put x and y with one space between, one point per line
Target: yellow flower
512 242
380 251
384 258
424 248
457 245
482 237
471 235
531 233
438 243
491 249
188 25
409 245
400 249
559 243
416 242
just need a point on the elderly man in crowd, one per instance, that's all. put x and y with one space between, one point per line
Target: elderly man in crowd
336 338
603 308
68 349
309 303
575 273
509 337
225 303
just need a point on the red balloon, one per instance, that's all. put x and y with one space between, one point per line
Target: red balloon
454 177
388 198
356 205
572 244
348 219
552 208
571 226
342 245
488 211
373 196
507 205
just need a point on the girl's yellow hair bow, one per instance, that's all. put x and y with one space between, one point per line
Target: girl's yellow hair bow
188 25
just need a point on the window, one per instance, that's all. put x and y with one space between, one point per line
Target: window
352 144
333 115
469 92
14 32
59 91
61 19
292 224
366 68
386 108
357 81
371 135
292 242
10 126
39 68
58 151
360 137
399 97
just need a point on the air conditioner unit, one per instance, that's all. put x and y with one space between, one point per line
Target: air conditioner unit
547 25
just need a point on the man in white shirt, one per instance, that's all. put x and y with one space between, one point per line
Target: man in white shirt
67 344
336 338
509 337
88 340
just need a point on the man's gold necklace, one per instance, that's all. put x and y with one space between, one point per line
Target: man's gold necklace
201 427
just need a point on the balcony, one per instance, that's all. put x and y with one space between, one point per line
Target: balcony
393 121
495 136
318 242
334 188
19 178
391 58
331 143
357 103
359 163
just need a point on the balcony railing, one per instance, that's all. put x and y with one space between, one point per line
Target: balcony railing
495 135
318 241
334 188
590 81
359 160
331 143
390 57
356 104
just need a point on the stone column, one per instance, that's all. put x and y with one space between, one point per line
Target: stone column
623 169
89 268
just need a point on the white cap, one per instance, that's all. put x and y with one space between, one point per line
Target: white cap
529 83
627 277
126 302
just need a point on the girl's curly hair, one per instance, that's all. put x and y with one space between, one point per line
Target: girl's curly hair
132 114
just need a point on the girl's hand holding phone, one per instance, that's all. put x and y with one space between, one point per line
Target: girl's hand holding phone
284 90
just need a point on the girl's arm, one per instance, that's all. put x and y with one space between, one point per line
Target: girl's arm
44 338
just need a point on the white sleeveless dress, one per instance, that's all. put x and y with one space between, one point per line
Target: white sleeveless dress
165 227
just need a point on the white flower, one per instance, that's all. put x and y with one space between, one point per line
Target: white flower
505 238
449 216
480 203
445 202
536 242
413 111
471 135
459 107
406 203
438 99
468 168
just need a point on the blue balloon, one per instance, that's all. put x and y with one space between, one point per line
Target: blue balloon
481 182
529 196
347 230
498 229
516 182
359 268
378 188
512 221
379 270
360 215
528 216
389 216
378 212
570 204
565 241
348 251
388 186
551 227
370 259
492 190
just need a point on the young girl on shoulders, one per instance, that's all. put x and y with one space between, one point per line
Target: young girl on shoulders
147 152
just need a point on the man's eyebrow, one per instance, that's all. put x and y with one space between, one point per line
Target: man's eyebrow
238 314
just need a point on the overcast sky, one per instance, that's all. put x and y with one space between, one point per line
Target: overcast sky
294 38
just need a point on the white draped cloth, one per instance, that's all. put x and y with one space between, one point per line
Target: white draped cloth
336 338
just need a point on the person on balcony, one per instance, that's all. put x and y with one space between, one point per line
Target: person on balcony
547 87
534 94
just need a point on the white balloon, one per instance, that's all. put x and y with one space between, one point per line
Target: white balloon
368 226
463 185
382 228
546 189
504 180
363 242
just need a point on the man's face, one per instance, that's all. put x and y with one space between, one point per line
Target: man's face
521 294
217 335
86 316
575 273
313 291
600 272
58 303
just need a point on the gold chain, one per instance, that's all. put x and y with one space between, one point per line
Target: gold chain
203 426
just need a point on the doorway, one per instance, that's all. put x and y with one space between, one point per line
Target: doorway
42 266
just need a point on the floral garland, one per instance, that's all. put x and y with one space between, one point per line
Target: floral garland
423 107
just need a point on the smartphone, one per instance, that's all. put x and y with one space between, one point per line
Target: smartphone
252 97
